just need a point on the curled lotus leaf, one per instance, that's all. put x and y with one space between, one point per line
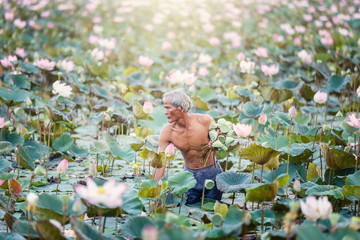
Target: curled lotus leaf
273 164
266 192
258 154
231 182
337 159
219 145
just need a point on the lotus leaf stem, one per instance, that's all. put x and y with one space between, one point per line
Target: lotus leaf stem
57 185
233 198
116 220
182 197
100 218
288 159
262 217
239 166
227 159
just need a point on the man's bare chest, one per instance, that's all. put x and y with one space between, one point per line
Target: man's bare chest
191 139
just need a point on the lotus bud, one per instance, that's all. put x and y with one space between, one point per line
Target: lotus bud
28 101
77 206
209 184
297 186
339 114
213 135
171 217
31 200
229 141
213 125
92 170
11 128
149 233
63 166
334 218
326 128
135 167
294 206
59 75
292 112
18 130
39 171
262 119
148 107
170 150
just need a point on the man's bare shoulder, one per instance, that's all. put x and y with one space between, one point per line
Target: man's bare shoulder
203 118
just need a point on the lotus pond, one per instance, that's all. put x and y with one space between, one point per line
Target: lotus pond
81 110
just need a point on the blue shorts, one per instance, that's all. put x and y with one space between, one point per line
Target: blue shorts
195 194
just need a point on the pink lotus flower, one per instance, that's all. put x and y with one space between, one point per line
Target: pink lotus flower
297 41
148 107
262 119
262 52
214 41
149 233
19 24
320 97
9 15
61 89
94 39
45 14
247 66
170 150
50 25
110 194
1 182
20 52
242 130
240 56
178 77
203 71
45 64
316 209
68 66
6 62
305 57
145 61
307 17
354 122
12 58
166 45
2 122
63 166
270 70
292 112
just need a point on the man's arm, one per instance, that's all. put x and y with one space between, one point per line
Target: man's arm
163 143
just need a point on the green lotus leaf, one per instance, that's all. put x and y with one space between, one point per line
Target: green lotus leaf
200 104
213 135
231 133
325 190
337 159
137 146
85 231
64 143
5 147
348 190
5 165
209 184
336 83
47 230
222 139
258 154
353 179
217 219
313 173
281 95
181 182
283 118
19 80
213 125
207 93
138 111
299 153
252 110
151 189
220 208
25 160
288 84
231 182
306 232
229 141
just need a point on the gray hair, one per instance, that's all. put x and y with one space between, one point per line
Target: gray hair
179 98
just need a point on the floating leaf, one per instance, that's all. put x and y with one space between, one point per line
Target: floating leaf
258 154
299 153
151 189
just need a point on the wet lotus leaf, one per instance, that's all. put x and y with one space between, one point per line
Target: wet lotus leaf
258 154
200 104
181 182
252 110
313 173
231 182
337 159
351 191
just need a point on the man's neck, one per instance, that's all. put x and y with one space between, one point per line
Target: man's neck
184 121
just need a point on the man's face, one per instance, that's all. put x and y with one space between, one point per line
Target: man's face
172 113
